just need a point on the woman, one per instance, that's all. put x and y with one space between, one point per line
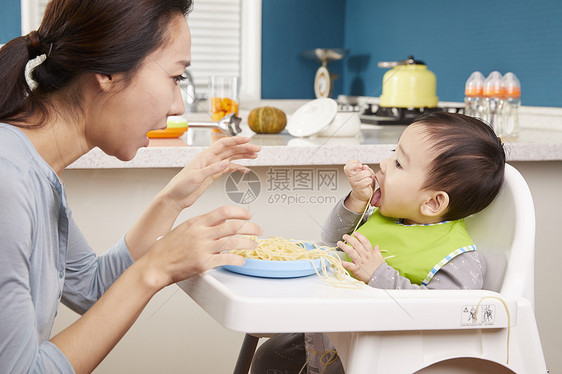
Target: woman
110 74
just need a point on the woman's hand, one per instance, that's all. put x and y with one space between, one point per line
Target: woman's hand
196 245
366 259
189 249
186 187
362 181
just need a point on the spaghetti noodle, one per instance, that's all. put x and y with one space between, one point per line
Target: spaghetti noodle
361 218
281 249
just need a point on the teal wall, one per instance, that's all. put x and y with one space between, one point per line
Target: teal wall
455 38
10 20
290 27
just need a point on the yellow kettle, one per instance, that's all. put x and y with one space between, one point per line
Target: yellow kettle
409 84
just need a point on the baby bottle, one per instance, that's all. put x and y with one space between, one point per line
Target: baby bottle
473 95
493 101
510 116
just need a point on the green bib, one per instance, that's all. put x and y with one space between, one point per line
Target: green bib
417 251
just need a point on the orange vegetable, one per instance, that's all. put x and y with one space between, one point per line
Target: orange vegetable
221 106
267 120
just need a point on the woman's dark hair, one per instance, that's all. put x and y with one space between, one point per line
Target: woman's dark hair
469 164
78 37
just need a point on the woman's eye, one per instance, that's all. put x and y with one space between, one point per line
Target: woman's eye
179 78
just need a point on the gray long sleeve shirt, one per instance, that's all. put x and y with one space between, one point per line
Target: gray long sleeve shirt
44 259
466 271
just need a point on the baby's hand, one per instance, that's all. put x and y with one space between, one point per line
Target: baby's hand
366 259
362 180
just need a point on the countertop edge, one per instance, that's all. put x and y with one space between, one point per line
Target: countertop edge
178 157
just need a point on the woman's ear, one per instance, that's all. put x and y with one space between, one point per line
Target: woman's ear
105 81
436 205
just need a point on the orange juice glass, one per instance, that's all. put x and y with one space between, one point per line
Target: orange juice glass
223 96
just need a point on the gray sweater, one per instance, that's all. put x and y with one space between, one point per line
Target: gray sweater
45 259
465 271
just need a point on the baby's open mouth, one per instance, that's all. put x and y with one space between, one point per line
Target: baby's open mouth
375 199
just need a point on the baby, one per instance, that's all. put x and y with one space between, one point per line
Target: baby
445 167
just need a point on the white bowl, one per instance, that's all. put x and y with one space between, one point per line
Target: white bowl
344 124
312 117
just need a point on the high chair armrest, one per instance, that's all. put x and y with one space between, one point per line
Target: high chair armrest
443 310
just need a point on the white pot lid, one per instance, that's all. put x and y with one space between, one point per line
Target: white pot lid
312 117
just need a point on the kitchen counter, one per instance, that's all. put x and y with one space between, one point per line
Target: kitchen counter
540 139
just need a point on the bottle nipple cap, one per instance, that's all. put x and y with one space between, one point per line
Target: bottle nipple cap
493 85
474 84
511 85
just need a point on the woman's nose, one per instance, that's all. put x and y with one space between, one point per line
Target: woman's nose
178 106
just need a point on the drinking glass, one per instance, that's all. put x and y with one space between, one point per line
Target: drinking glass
223 96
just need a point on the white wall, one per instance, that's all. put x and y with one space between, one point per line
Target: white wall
173 335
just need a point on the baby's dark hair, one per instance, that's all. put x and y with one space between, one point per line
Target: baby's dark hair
469 163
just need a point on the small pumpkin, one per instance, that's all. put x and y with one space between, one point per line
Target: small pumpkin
267 120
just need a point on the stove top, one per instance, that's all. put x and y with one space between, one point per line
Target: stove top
372 113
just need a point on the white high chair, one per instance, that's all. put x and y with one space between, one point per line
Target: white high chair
456 331
453 341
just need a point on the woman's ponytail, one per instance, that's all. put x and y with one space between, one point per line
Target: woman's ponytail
14 89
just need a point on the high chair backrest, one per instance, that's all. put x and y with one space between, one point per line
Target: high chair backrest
504 232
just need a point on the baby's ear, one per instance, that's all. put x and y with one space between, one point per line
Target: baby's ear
436 205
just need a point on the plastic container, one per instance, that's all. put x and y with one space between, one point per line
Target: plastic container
494 99
473 95
510 113
177 126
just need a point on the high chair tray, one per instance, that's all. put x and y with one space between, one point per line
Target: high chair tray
307 304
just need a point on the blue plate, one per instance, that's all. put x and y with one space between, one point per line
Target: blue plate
277 269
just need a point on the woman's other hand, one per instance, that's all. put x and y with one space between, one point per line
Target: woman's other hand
365 259
362 181
186 187
199 243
